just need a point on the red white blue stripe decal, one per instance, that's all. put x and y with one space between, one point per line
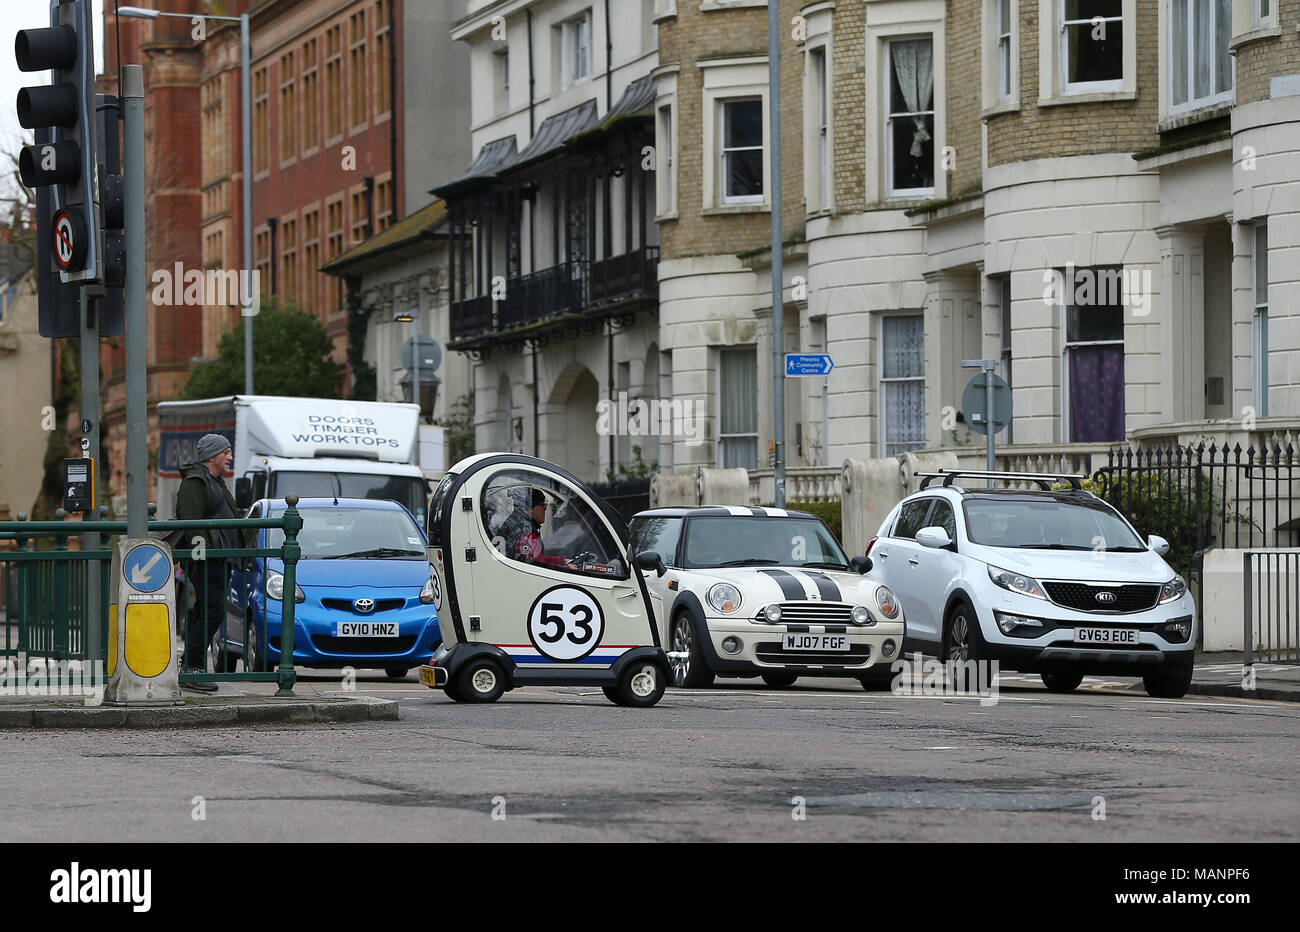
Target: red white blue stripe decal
604 655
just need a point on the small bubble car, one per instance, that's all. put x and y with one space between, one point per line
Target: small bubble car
534 586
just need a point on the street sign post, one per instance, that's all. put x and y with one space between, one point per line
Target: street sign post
808 365
986 404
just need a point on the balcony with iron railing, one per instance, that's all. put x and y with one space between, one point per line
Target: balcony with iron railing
556 292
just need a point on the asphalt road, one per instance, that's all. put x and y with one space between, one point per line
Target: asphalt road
731 763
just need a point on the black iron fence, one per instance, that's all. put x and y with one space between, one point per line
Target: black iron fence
627 497
1199 497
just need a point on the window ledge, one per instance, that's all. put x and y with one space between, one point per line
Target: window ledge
735 209
664 16
1005 106
1255 35
713 6
671 215
1098 97
819 213
1191 117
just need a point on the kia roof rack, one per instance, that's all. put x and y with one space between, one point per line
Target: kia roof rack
1044 480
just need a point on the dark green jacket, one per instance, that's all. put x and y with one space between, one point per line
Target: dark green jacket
196 499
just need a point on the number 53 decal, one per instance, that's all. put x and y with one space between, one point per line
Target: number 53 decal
565 623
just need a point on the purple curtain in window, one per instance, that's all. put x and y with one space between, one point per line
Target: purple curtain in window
1096 393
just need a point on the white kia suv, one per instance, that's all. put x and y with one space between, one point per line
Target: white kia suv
1044 581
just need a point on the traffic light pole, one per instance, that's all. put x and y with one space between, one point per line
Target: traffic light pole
90 442
137 476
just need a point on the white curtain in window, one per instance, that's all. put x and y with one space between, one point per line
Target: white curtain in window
914 72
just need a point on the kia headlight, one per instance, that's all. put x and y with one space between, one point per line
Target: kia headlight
275 588
1015 582
725 598
887 602
1173 590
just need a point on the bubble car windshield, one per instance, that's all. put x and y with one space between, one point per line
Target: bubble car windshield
533 518
761 541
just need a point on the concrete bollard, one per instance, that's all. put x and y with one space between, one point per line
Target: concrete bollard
911 463
868 490
723 486
669 489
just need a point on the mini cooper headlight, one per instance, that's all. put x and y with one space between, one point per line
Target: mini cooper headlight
861 616
887 603
1173 590
772 613
725 598
275 588
1015 582
426 593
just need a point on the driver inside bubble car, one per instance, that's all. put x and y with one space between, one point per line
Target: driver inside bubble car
520 534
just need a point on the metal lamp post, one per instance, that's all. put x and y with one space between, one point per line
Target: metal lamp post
413 316
245 56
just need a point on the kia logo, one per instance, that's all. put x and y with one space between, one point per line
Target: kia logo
1105 597
364 606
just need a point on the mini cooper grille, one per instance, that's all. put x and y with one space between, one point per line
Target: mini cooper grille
816 613
346 605
771 652
328 644
1130 598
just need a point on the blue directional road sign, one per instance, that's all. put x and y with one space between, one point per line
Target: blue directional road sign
803 365
147 568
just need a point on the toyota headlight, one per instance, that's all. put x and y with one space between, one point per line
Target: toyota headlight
887 602
1015 582
275 588
724 597
1173 590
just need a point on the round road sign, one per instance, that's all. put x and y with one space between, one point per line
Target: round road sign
69 243
973 401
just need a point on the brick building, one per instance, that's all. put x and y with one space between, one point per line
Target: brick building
335 86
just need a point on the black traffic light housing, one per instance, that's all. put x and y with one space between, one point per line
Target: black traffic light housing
65 162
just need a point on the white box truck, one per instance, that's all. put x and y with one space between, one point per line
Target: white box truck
314 447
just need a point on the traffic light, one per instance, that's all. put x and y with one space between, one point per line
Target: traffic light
65 162
112 307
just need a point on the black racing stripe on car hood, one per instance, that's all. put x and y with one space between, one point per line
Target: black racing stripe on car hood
791 588
830 592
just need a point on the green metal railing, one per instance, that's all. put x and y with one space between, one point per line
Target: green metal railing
48 594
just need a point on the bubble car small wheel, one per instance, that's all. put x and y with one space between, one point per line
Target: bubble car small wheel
481 680
640 686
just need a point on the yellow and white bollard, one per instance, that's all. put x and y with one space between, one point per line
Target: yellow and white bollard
141 625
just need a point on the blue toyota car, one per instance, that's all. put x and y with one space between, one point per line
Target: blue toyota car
364 594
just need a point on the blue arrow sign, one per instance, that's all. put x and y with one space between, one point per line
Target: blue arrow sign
800 365
147 568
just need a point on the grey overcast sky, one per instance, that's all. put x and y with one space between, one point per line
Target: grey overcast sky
28 14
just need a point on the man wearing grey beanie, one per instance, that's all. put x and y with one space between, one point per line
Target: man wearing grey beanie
203 496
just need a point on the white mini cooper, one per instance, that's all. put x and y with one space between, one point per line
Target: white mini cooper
764 591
